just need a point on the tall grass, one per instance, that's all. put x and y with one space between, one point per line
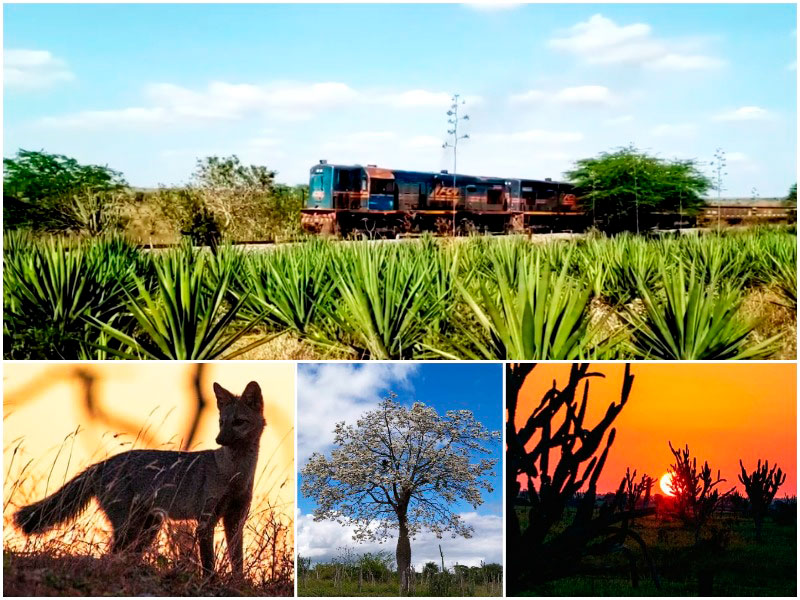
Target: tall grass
693 320
479 297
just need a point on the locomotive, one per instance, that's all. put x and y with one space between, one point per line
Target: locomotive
381 202
354 198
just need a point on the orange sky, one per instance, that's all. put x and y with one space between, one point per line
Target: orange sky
42 406
723 411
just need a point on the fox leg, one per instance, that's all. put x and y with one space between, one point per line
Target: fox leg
233 520
119 514
135 527
205 535
150 527
126 536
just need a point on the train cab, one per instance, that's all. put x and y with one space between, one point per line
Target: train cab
332 187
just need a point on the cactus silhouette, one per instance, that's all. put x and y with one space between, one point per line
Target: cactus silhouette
636 493
761 486
696 498
556 431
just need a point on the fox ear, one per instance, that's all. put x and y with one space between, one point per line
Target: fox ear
224 397
251 396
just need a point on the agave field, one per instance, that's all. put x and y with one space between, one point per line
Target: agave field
728 295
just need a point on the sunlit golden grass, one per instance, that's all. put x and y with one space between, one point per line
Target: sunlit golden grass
773 317
74 559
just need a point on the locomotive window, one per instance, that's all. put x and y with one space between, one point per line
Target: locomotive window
382 186
494 196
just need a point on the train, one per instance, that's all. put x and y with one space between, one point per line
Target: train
347 199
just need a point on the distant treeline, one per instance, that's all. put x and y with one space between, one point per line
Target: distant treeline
52 193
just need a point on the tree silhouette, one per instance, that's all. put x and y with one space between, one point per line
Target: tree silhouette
693 488
761 486
401 468
556 429
637 493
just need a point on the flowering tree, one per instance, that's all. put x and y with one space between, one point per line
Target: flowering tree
402 468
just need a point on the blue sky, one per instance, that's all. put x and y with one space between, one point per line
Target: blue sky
332 392
147 89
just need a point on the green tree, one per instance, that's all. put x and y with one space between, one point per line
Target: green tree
430 569
229 173
52 192
226 197
791 197
621 189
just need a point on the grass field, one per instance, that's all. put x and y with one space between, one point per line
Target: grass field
727 562
327 587
712 296
373 575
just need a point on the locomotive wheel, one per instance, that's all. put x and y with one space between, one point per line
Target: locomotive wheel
466 227
328 228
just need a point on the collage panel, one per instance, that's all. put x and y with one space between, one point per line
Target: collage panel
400 479
651 479
148 479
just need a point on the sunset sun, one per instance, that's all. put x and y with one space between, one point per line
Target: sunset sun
666 484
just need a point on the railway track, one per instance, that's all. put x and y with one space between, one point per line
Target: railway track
267 244
534 237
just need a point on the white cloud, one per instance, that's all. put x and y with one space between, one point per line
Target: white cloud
416 98
321 540
674 130
587 95
131 117
620 120
531 135
328 393
29 70
745 113
735 157
489 6
686 62
264 142
601 41
168 103
368 142
423 142
360 140
529 97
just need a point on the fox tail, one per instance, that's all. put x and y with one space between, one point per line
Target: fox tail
60 506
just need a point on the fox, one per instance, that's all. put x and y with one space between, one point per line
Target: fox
138 490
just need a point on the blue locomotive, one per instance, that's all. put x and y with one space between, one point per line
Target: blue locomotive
354 198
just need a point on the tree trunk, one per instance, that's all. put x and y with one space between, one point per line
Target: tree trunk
759 519
403 556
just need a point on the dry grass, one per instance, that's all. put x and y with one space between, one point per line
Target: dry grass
286 347
763 304
774 318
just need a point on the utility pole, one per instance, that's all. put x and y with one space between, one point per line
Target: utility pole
636 190
719 164
452 120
